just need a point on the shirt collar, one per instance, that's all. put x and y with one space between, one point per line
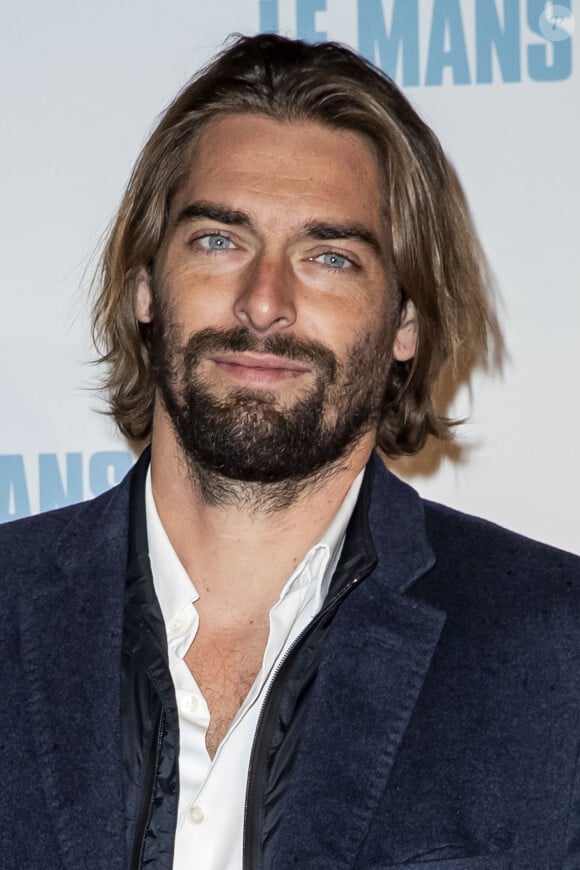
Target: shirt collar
175 589
173 585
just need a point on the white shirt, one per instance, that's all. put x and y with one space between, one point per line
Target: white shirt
212 793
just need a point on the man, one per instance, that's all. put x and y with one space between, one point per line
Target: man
262 650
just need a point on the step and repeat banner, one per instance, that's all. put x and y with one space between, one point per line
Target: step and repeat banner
82 85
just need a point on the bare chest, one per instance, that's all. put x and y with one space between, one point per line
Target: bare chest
225 667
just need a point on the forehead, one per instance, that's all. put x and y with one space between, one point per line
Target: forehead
285 167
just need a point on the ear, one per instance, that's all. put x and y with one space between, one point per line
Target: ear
405 343
143 298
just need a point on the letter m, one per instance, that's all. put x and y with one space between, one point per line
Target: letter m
383 46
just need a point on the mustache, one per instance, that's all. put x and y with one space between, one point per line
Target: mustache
239 339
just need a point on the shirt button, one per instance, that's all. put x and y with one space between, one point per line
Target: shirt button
189 704
195 815
177 627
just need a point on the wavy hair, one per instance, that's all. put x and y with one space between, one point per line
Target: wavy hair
437 259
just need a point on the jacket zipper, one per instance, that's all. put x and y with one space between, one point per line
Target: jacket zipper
147 808
251 856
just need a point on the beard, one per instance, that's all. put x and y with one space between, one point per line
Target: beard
246 437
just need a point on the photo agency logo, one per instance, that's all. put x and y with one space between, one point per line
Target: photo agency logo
436 42
557 22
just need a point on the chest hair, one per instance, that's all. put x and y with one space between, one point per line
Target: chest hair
225 665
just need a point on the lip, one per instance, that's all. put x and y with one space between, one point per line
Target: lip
259 370
260 361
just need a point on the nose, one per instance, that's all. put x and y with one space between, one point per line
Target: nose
265 302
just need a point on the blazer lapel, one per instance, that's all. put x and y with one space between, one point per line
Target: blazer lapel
368 684
71 626
370 677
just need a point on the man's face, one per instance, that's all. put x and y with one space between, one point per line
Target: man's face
272 299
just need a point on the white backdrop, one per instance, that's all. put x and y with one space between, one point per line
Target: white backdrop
81 86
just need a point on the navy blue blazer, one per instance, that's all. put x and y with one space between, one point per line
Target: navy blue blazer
443 728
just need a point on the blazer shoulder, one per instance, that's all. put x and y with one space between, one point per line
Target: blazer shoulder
483 549
28 543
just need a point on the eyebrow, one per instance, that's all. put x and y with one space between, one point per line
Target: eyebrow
214 212
317 230
358 232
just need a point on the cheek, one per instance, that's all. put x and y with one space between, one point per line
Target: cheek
339 322
198 300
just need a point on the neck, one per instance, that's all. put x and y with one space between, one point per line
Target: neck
246 542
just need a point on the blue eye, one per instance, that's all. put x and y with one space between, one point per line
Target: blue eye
335 261
215 242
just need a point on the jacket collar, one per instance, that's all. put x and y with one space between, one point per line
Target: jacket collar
396 521
387 527
140 592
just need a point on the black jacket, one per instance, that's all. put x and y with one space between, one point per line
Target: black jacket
429 719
